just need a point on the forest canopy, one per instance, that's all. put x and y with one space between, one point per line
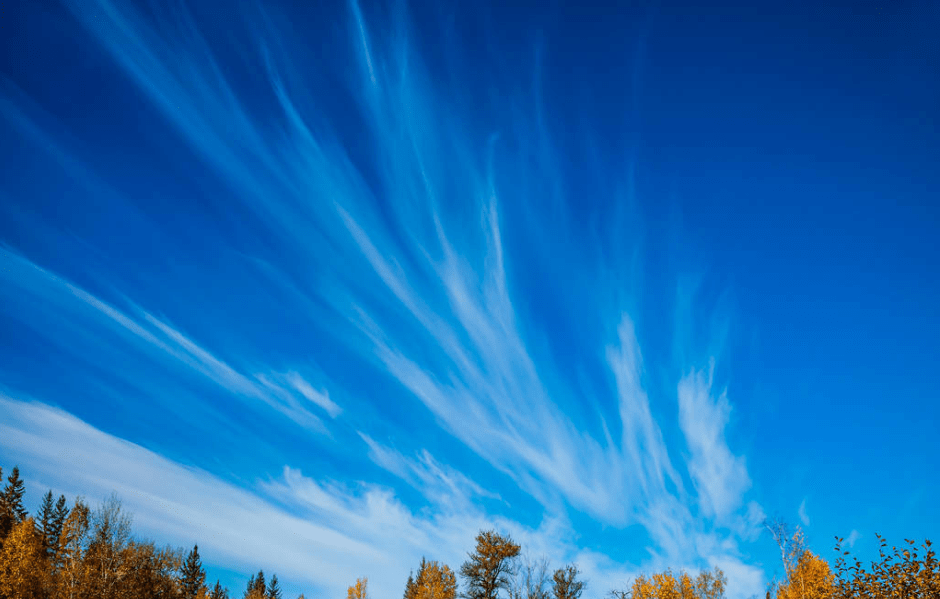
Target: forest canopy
69 550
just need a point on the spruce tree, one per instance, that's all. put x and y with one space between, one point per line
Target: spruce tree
59 516
274 589
411 588
6 516
44 525
11 503
218 592
257 589
192 576
13 496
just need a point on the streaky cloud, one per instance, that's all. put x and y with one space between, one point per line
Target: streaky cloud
148 334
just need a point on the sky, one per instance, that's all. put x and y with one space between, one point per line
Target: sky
329 287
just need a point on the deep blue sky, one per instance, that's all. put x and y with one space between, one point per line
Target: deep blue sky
329 287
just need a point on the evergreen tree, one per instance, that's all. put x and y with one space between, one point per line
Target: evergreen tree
192 576
257 589
411 588
13 496
46 525
218 592
59 515
490 566
274 589
6 515
46 509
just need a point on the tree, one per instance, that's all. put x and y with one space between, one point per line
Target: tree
51 518
360 590
898 573
670 585
192 576
490 567
274 589
59 516
530 580
104 559
46 514
257 589
809 578
12 511
147 571
711 584
218 591
565 583
13 495
792 544
434 581
23 573
67 567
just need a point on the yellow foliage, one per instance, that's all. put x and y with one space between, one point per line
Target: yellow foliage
435 581
899 573
23 573
358 590
709 584
808 578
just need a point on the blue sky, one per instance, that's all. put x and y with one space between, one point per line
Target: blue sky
329 287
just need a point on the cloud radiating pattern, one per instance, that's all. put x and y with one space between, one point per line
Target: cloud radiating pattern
408 265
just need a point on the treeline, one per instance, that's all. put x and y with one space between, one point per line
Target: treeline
75 552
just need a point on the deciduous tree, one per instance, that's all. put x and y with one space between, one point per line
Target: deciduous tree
899 572
68 571
490 567
104 560
808 578
434 581
360 590
670 585
565 583
531 579
23 570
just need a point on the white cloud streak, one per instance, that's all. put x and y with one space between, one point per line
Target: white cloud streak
804 517
146 333
720 477
312 533
427 298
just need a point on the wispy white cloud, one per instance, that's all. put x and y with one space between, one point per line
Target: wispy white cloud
426 292
141 331
720 477
804 517
853 538
436 481
315 533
